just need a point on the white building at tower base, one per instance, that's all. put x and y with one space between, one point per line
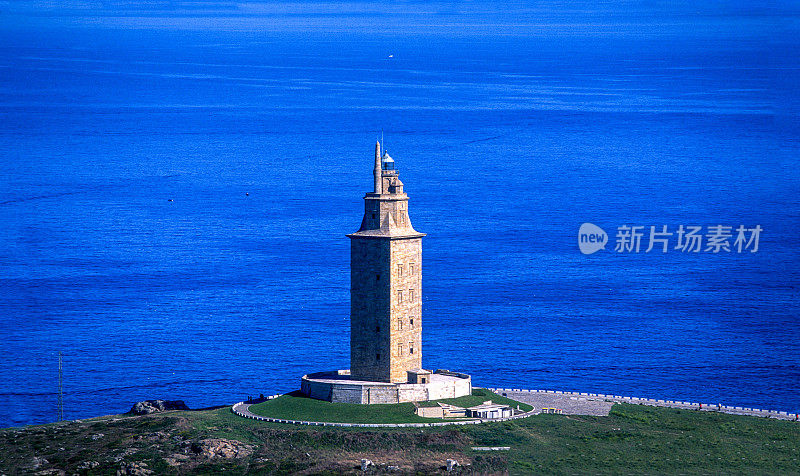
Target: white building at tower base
337 386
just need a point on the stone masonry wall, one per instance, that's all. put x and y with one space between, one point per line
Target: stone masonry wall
369 309
379 394
385 308
406 307
413 393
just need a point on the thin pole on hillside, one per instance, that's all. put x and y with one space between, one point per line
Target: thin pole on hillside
60 388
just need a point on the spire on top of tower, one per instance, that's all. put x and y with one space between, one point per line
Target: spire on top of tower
376 171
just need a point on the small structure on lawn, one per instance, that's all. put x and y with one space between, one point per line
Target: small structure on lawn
490 410
486 410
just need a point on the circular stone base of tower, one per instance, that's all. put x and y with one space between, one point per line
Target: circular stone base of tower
338 387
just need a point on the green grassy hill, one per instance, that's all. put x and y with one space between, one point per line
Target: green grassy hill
295 406
631 440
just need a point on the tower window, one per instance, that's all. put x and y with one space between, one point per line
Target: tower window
400 270
399 296
378 277
373 216
377 356
410 295
410 348
411 268
399 349
412 323
378 329
400 324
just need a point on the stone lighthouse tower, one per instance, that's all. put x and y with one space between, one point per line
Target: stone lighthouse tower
385 283
385 309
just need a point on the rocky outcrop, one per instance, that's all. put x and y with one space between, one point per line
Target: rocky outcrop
134 469
154 406
176 459
50 472
222 448
87 465
36 462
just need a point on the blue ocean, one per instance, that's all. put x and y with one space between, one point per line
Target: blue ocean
176 183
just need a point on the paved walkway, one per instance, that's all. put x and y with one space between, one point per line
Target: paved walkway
571 403
593 404
243 409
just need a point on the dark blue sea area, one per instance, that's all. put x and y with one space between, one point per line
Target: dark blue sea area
176 186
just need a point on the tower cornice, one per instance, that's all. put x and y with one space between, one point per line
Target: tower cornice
387 197
378 235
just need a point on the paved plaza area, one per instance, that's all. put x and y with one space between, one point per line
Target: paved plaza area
574 403
568 404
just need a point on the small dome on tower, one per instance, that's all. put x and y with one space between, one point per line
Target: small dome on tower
387 162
